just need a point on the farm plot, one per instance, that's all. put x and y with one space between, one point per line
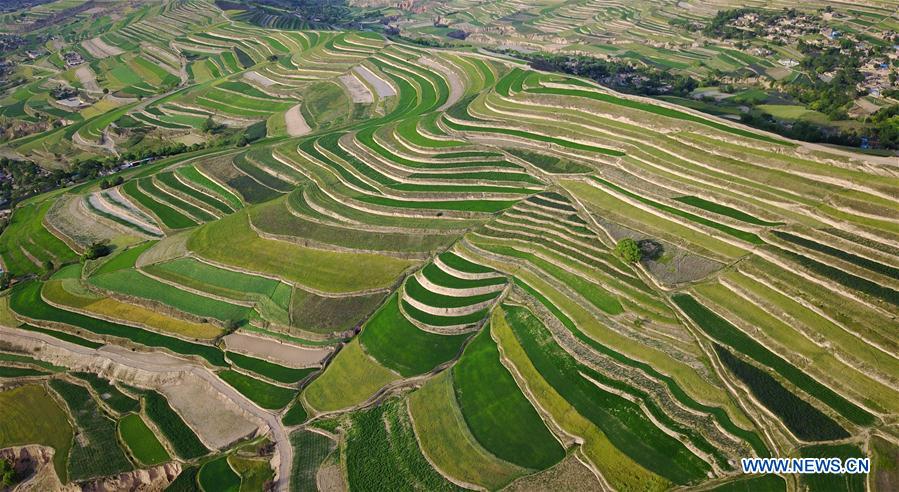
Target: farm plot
398 344
724 332
140 440
217 426
350 378
447 441
619 418
70 293
326 314
382 453
309 452
31 416
224 240
108 393
803 420
97 452
26 246
274 372
263 394
219 476
26 300
498 414
286 354
133 283
176 432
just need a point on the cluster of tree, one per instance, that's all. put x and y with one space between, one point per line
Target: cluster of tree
722 25
96 250
109 183
394 34
628 250
314 14
63 92
8 475
20 179
882 130
229 136
831 97
617 74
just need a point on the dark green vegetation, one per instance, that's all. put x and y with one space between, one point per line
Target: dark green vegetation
382 453
724 332
144 445
186 480
309 451
622 421
399 345
266 395
270 370
804 420
181 437
98 453
498 414
827 482
219 476
110 395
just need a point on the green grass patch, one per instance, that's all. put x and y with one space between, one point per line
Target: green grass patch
179 435
217 475
498 414
98 453
144 445
399 345
724 332
263 394
31 416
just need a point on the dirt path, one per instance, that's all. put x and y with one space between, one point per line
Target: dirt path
296 124
161 363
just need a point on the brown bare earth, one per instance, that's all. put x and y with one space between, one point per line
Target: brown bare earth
276 350
99 49
570 475
358 92
296 124
217 421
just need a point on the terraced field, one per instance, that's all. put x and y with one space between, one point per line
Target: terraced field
416 274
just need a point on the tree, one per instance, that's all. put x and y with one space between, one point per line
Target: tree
210 126
7 474
5 279
628 250
96 250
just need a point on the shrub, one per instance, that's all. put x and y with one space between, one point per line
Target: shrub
96 250
7 474
628 250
